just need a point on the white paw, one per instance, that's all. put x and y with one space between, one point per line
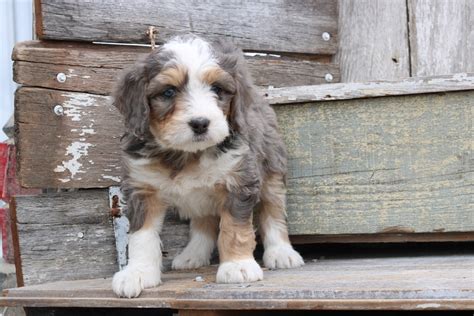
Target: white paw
131 281
282 257
188 260
239 271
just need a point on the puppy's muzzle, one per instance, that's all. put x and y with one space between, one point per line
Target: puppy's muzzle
199 125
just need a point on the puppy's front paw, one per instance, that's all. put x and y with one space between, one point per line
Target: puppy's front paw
282 257
189 260
131 281
239 271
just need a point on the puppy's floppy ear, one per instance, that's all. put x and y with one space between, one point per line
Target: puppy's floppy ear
232 60
130 99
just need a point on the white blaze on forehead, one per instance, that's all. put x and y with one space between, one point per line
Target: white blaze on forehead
192 52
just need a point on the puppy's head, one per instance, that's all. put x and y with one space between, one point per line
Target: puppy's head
186 94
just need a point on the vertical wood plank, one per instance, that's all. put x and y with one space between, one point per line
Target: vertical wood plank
373 40
441 36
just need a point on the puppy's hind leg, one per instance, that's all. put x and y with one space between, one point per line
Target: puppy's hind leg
278 251
203 236
144 246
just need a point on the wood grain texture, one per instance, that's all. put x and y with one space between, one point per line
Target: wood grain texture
87 136
281 26
398 164
383 238
418 283
373 40
96 68
64 238
69 236
441 36
348 91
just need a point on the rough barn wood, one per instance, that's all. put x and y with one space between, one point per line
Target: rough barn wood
277 26
411 283
95 68
397 163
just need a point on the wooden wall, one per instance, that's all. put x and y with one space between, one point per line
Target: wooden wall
394 39
393 168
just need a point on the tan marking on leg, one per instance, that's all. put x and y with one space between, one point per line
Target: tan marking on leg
144 251
273 208
236 239
278 251
154 209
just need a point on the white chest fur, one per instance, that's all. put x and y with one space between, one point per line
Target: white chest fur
192 190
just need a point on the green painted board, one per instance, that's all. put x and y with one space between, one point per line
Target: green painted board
377 165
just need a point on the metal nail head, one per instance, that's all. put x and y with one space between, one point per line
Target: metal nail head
328 77
58 110
61 77
326 36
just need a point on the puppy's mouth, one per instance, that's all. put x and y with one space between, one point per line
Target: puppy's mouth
200 138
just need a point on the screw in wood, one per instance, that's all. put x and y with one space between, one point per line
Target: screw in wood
61 77
328 78
326 36
58 110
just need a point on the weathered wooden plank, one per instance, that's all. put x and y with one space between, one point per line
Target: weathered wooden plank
95 68
347 91
419 283
69 236
87 135
441 36
373 40
282 26
384 238
396 164
64 238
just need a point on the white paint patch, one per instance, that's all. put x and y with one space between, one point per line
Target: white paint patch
116 179
87 131
74 103
71 73
77 150
428 305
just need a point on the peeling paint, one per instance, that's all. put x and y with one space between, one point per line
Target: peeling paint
113 178
74 102
76 150
71 73
87 131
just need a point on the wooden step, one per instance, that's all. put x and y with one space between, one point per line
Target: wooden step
396 283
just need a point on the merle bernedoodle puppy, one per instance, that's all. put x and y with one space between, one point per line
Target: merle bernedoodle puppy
201 139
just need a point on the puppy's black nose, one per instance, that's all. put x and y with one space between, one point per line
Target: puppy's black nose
199 125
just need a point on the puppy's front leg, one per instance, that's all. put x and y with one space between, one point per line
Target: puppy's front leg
144 248
236 243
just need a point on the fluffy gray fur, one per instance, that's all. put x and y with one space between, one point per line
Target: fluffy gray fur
252 121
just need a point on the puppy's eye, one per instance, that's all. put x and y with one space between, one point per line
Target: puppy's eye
169 93
217 90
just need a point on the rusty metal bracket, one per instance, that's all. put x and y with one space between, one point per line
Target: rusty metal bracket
121 224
